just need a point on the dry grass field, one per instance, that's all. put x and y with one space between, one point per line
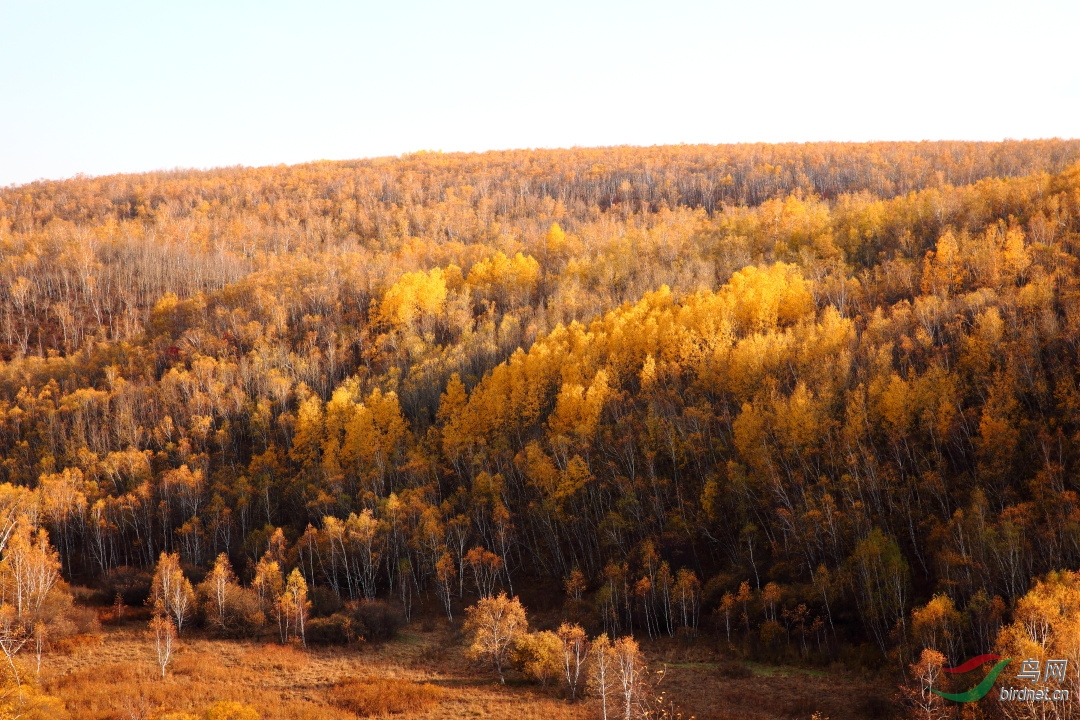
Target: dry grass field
421 674
117 677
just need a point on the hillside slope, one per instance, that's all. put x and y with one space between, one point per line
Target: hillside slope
779 394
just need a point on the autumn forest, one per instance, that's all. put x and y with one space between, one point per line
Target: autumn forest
810 405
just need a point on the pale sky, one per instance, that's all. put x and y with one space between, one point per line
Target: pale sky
103 87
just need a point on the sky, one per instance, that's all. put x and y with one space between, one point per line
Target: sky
106 87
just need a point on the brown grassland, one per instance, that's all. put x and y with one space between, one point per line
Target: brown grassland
423 673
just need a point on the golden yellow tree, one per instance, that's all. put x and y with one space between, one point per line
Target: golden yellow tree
170 592
631 675
295 605
220 583
493 625
602 673
918 694
540 655
1046 626
575 651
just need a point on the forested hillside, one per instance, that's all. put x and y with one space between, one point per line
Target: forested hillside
779 394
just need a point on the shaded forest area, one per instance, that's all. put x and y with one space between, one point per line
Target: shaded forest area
784 395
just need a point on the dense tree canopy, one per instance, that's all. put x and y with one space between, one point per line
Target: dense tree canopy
799 389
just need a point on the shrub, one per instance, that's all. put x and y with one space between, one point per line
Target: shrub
540 656
231 711
244 616
734 671
130 583
27 701
337 629
375 620
385 696
64 623
324 602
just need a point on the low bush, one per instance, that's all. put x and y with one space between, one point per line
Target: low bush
337 629
385 696
244 617
231 711
324 602
540 656
734 671
132 584
375 620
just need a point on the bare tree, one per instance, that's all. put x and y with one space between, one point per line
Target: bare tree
164 635
181 601
12 637
41 638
